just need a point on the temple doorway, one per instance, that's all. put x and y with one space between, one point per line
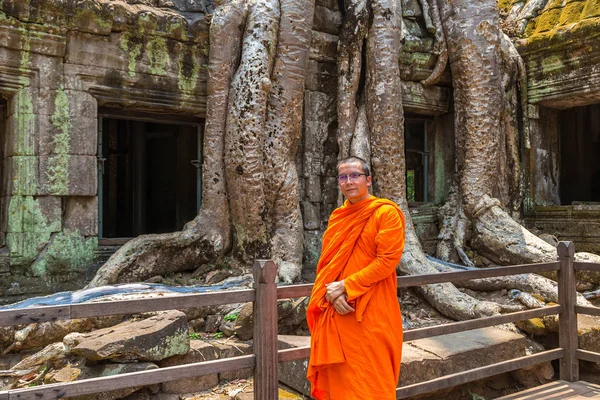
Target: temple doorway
149 176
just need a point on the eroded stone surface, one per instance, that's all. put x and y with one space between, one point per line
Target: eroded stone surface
151 339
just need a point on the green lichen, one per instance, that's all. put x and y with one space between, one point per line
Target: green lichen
57 171
24 175
132 44
25 246
158 56
552 64
175 344
24 122
67 251
29 230
188 72
25 215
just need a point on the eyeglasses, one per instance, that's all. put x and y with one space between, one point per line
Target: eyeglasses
343 178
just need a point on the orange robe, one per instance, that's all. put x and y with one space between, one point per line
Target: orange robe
357 355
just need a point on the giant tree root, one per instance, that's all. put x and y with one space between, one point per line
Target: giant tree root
505 242
201 241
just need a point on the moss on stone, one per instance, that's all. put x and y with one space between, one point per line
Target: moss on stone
158 55
591 9
548 20
571 13
506 5
67 251
131 43
57 171
533 326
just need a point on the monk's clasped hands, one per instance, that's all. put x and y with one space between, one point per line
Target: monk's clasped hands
336 295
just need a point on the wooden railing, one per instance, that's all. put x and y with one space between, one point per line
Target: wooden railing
266 357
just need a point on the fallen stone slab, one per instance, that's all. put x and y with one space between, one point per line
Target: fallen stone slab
431 358
74 373
199 351
152 339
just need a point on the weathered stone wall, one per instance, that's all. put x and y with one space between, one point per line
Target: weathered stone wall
61 62
561 49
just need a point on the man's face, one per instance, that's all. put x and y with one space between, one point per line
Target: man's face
354 189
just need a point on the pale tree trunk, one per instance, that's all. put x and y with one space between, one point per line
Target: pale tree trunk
250 185
244 137
284 125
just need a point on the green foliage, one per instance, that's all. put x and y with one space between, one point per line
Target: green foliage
231 317
475 396
194 336
410 185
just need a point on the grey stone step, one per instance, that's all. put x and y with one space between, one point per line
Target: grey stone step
426 359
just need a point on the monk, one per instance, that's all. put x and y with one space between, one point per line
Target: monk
353 314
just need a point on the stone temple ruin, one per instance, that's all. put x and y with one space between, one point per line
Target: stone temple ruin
102 106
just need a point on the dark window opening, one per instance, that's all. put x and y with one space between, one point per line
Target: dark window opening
3 177
417 160
149 177
579 149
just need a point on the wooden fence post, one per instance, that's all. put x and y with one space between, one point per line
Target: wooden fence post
567 297
266 381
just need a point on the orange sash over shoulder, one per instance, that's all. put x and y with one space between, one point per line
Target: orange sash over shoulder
346 225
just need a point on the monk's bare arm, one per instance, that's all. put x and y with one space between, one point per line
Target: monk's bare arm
390 244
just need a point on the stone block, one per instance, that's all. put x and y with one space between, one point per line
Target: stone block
321 77
80 103
430 358
25 246
152 339
331 4
293 373
312 249
100 51
51 70
199 351
20 176
311 215
327 20
323 47
411 9
81 136
72 175
320 107
73 373
20 136
29 214
313 188
229 348
81 215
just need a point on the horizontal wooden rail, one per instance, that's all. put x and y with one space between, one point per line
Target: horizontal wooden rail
297 353
585 266
133 379
588 356
458 276
462 326
289 292
85 310
477 373
587 310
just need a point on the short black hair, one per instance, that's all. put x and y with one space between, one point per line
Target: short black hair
353 159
